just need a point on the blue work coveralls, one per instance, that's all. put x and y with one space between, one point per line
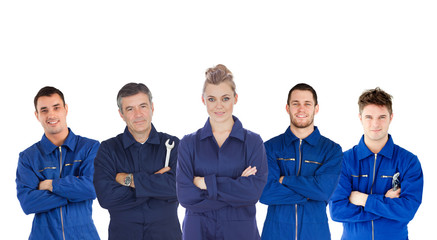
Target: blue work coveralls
311 168
226 210
66 212
364 171
148 211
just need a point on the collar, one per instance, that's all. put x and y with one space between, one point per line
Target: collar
387 151
128 140
312 139
236 132
70 143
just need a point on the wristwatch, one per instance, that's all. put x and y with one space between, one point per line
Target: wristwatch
128 180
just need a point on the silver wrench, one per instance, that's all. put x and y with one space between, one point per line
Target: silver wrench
169 148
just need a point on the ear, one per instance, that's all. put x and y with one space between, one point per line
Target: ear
121 114
235 99
391 117
66 109
287 108
360 117
316 109
153 108
36 115
203 100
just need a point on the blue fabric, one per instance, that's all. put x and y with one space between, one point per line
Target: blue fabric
389 217
311 168
226 210
148 211
68 209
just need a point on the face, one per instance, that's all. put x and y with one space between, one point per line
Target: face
302 109
376 121
52 114
137 112
219 101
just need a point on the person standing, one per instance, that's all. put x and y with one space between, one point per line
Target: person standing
135 173
381 184
55 175
221 169
304 168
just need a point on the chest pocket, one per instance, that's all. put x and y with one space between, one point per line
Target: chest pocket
360 182
384 180
71 168
287 166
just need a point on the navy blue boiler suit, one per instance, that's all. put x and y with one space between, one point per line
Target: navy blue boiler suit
226 210
148 211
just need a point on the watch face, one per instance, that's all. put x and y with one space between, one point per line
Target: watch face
128 180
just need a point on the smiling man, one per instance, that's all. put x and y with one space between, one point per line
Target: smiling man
304 168
381 184
132 178
55 175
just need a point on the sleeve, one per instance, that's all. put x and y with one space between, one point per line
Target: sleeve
341 210
159 186
405 207
274 192
242 191
110 194
189 195
320 186
79 188
31 199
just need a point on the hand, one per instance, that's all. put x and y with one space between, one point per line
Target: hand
393 194
163 170
358 198
249 171
46 185
281 179
200 182
120 177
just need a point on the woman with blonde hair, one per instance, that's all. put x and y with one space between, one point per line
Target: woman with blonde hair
222 168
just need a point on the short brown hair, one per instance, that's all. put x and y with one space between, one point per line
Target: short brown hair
377 97
47 92
217 75
303 87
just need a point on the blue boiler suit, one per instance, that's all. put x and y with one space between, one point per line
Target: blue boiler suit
381 218
148 211
226 210
66 212
311 168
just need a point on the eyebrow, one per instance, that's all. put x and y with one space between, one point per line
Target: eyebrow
56 105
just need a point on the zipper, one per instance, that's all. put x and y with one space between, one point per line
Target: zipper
371 191
60 174
298 173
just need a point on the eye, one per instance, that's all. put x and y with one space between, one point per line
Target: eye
129 109
225 99
211 99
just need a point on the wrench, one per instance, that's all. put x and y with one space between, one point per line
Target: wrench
169 148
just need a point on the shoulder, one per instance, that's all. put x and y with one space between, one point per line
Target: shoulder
329 144
86 142
31 151
277 139
164 136
401 154
252 136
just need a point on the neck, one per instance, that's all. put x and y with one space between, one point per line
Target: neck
59 138
302 133
375 145
222 126
140 137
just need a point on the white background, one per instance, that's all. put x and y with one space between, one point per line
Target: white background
90 49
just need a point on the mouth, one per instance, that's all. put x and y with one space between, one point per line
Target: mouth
52 122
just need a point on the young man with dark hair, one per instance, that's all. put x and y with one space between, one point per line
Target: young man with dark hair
55 175
304 168
381 184
135 173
